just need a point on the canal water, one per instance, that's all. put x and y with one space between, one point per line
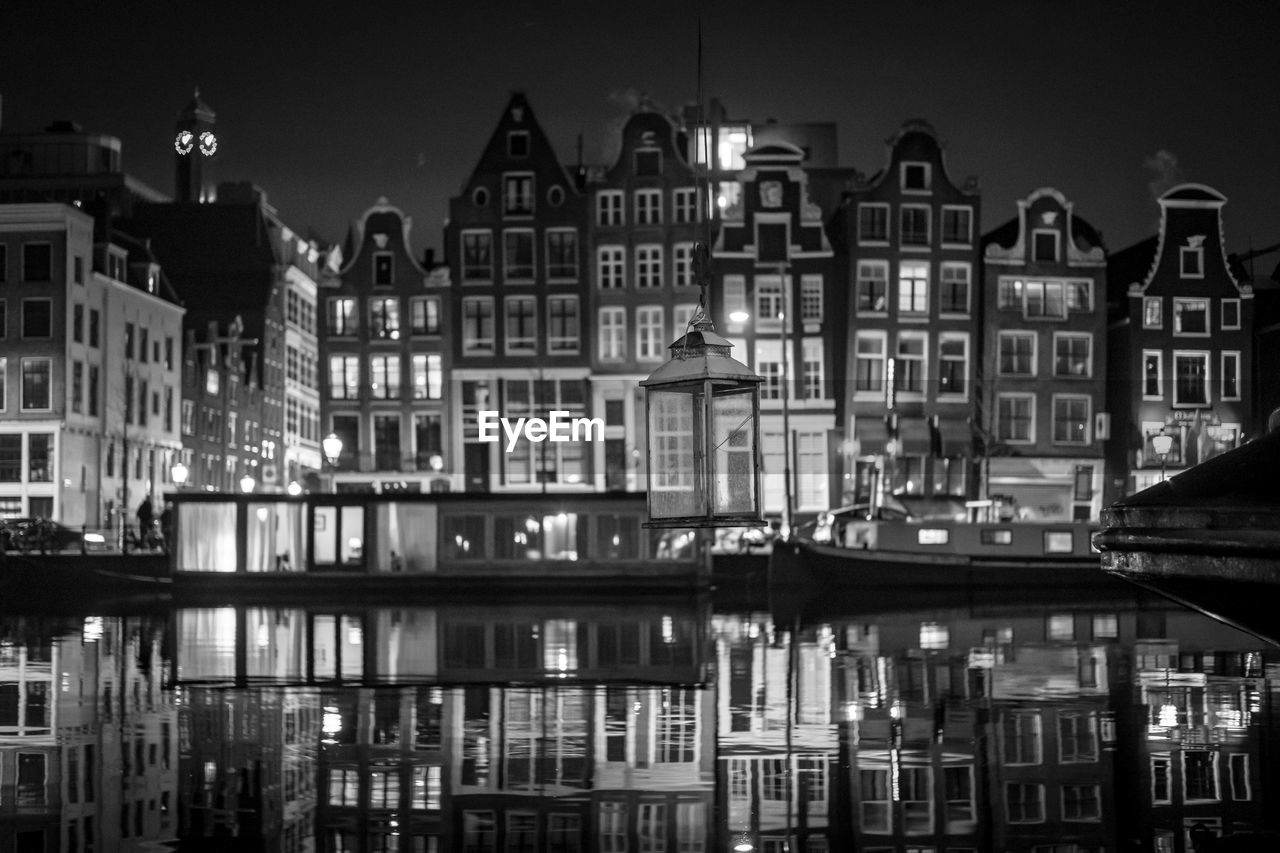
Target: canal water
1049 720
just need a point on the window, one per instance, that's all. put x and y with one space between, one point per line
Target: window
1192 261
909 371
1025 802
1044 246
342 315
1106 626
1072 355
1021 737
477 325
873 223
1015 417
37 262
913 287
1161 791
517 143
1079 295
517 254
649 337
648 266
682 315
1010 293
37 318
648 161
344 377
954 284
609 207
477 256
1077 737
1200 774
1190 316
1231 376
1239 766
77 386
953 363
1152 375
1071 419
613 334
811 299
735 298
916 177
1231 313
562 324
811 356
684 264
685 204
610 264
36 377
872 287
1081 802
93 388
521 325
869 362
768 364
913 225
384 318
768 302
1017 354
1190 378
875 802
517 194
128 340
383 268
77 323
562 253
648 207
428 377
957 225
144 344
4 262
1045 300
1151 314
384 377
424 315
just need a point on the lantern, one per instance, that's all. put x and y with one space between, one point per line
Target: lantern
703 435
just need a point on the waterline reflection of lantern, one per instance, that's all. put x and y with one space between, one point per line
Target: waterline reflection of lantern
703 434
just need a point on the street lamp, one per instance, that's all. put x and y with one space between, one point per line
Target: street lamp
1162 444
247 483
179 473
332 447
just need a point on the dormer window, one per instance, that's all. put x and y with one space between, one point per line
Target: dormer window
518 143
517 194
1192 261
1044 246
917 177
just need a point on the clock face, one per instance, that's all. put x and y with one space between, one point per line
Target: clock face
183 141
208 143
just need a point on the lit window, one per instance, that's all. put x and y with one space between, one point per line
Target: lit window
648 266
428 377
913 287
1151 315
424 315
909 371
384 377
872 287
1152 375
811 299
1045 300
344 377
613 334
1010 293
1072 355
934 636
1079 295
649 333
812 356
610 267
869 363
768 302
517 194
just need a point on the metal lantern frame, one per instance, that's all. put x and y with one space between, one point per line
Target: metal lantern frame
702 370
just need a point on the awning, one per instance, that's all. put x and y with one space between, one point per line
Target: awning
956 438
871 434
914 437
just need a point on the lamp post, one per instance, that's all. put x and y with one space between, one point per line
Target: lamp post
1162 444
783 319
247 483
179 474
331 447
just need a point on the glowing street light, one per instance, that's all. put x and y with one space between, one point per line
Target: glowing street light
332 447
179 474
247 483
1162 444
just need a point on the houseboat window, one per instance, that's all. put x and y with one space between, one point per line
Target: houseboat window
933 536
274 538
1057 542
536 537
207 537
339 535
404 534
462 537
1000 536
677 544
617 537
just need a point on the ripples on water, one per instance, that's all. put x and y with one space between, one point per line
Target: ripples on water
1107 721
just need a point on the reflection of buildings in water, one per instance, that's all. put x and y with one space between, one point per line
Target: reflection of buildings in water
88 739
1015 731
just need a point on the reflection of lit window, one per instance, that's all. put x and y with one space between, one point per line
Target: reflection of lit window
934 636
560 645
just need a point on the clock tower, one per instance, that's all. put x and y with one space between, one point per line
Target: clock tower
194 146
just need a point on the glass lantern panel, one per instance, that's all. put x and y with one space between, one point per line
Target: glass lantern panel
733 462
674 432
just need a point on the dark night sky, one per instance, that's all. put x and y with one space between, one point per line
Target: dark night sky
328 111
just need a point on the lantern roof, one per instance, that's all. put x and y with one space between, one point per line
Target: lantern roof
701 354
